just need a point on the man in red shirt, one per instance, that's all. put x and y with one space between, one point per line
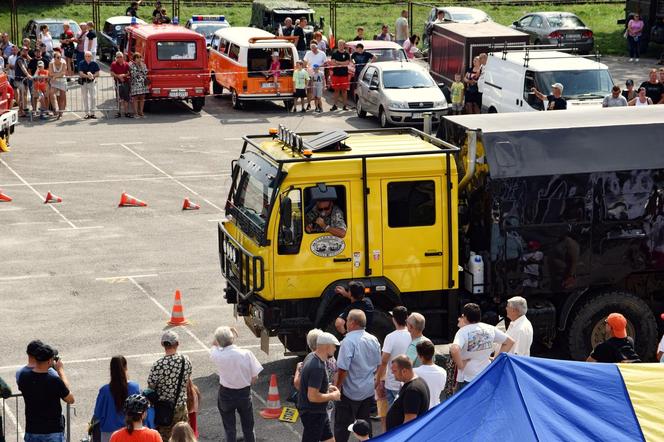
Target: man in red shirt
120 72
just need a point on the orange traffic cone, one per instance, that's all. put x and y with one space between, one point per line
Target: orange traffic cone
188 205
50 198
5 198
127 200
177 314
273 410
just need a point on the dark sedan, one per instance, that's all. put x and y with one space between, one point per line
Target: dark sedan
557 28
111 37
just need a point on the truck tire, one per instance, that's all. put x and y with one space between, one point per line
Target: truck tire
235 100
492 110
197 103
217 89
295 343
589 317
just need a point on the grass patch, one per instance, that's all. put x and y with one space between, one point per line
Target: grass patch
601 18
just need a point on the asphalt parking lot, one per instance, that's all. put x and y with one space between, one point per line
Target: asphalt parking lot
97 280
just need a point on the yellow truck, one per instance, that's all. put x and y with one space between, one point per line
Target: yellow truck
576 228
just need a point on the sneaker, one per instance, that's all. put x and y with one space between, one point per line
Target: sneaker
631 60
87 117
333 108
636 60
344 108
319 110
129 116
118 115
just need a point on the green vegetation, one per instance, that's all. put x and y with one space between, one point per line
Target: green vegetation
600 17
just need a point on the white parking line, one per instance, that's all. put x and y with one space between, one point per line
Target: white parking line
19 278
124 278
117 144
115 180
75 228
39 195
172 178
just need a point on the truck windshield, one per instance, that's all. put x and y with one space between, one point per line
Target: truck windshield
585 84
176 50
251 200
406 79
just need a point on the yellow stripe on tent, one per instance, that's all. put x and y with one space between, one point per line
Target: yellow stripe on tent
645 386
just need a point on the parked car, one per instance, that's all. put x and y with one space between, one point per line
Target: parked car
398 93
453 14
111 39
207 25
557 28
54 26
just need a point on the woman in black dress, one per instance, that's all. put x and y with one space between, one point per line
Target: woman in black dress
472 96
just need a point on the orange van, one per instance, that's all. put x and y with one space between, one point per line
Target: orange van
177 62
240 60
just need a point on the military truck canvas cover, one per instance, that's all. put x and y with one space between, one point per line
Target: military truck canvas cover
568 142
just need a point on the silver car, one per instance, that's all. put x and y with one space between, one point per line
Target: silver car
398 93
557 28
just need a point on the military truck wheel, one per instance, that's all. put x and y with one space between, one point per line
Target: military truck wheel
358 108
492 110
586 328
217 89
235 100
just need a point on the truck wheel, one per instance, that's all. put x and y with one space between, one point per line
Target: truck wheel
586 328
235 100
382 325
358 108
382 117
295 343
197 103
217 89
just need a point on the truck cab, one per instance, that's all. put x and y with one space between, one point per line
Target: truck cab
509 76
396 192
176 59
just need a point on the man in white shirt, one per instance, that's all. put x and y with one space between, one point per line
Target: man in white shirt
402 28
520 328
395 344
237 369
433 375
473 345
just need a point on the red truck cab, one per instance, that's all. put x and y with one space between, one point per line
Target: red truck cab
8 117
177 62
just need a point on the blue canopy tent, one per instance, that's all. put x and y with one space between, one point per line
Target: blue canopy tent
531 399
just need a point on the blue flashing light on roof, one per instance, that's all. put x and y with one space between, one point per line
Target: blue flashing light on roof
199 18
176 20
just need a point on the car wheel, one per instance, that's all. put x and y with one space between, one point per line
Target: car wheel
217 89
235 100
358 108
382 117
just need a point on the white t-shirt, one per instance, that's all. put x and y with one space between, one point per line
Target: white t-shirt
396 343
402 29
435 377
11 61
48 41
660 347
235 366
476 343
521 330
311 59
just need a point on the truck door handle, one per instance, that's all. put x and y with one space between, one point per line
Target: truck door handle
433 253
342 260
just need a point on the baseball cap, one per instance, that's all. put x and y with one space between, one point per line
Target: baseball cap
275 54
169 337
316 66
45 352
327 338
360 427
618 325
629 82
558 85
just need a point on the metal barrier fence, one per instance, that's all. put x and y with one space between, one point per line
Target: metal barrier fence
17 411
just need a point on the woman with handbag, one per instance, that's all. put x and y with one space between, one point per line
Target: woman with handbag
138 73
111 399
135 408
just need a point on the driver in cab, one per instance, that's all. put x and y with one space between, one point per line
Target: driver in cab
326 217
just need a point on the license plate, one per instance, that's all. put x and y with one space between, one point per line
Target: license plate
177 94
573 36
418 115
267 85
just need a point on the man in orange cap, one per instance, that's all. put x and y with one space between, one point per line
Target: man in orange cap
618 347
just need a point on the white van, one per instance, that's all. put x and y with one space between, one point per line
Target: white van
509 76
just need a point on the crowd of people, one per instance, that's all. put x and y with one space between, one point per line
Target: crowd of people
336 396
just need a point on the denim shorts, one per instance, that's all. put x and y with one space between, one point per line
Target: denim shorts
50 437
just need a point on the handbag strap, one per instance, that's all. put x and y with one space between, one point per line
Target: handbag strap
177 395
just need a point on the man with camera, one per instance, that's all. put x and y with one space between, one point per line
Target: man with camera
42 392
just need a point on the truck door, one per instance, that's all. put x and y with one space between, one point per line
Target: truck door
413 233
305 263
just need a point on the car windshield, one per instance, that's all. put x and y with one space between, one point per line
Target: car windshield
208 30
252 199
176 50
464 17
565 21
388 54
56 29
595 83
406 79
